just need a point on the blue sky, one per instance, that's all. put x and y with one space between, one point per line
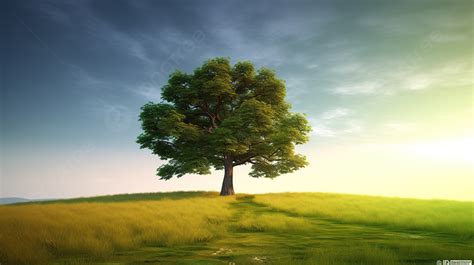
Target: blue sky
371 74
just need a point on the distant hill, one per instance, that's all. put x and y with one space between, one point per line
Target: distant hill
10 200
116 197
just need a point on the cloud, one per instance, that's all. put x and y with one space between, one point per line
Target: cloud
419 82
402 76
367 87
85 79
114 117
133 46
338 122
450 75
336 113
149 92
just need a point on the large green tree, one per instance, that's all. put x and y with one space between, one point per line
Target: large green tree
223 116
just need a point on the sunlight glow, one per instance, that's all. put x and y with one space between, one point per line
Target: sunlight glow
448 150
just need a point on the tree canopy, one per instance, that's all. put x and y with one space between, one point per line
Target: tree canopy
223 116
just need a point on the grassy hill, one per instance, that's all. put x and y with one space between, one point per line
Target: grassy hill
203 228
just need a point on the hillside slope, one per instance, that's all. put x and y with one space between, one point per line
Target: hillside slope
203 228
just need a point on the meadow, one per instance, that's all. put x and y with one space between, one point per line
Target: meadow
204 228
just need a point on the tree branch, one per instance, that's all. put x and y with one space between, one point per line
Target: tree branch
212 118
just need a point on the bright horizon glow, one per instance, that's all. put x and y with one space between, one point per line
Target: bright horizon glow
456 150
403 169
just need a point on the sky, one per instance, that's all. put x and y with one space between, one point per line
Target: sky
386 85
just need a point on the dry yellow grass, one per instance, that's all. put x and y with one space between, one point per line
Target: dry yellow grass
36 233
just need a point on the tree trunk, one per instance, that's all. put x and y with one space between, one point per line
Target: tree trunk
227 184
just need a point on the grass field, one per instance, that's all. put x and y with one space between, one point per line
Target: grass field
203 228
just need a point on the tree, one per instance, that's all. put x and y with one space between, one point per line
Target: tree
222 116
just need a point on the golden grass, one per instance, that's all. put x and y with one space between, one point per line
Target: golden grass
428 215
36 233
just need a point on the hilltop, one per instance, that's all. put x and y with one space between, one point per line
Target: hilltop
204 228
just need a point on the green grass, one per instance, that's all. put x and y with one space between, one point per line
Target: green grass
395 213
203 228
